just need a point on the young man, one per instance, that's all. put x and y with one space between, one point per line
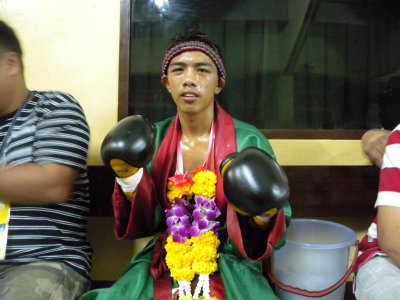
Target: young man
201 135
43 187
378 263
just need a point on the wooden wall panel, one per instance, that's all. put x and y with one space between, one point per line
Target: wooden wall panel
101 185
332 191
315 191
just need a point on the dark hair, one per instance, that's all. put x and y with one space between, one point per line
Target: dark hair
192 35
8 40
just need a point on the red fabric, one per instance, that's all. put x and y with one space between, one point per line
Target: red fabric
394 137
389 180
164 167
133 217
217 286
160 272
165 160
367 249
248 239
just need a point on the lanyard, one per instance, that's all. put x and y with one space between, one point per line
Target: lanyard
27 99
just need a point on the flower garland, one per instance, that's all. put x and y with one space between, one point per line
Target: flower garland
192 244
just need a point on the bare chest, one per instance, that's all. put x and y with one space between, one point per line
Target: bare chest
194 154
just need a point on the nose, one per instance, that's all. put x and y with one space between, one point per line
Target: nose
189 79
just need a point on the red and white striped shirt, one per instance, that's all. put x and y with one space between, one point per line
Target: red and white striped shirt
388 195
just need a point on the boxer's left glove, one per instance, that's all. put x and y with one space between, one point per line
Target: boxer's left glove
254 184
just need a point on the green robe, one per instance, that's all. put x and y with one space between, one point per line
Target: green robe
239 266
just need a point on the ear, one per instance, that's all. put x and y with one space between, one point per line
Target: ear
220 86
165 82
13 63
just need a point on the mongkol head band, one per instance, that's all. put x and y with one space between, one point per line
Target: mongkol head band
193 46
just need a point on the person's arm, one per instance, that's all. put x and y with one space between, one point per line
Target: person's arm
388 201
256 243
34 184
58 153
389 231
373 142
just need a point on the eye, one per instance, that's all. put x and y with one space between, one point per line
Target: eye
204 70
177 70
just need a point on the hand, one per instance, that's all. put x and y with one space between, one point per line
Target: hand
254 182
374 142
129 145
121 168
262 220
129 184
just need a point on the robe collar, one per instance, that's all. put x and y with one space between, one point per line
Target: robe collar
165 160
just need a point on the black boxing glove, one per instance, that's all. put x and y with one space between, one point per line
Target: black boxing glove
254 183
129 145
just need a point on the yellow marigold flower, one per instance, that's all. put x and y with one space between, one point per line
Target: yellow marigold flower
208 238
177 191
204 253
183 274
204 267
204 184
178 253
179 259
205 248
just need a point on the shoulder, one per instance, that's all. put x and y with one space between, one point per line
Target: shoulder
57 104
248 135
246 127
397 129
394 137
163 126
162 129
165 122
54 109
54 97
53 100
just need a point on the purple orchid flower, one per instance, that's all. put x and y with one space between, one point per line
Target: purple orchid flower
204 215
179 220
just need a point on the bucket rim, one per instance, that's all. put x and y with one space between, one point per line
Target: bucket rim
348 243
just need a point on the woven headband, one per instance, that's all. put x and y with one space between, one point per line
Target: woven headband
193 46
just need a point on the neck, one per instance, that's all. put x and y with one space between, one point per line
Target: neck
15 100
198 125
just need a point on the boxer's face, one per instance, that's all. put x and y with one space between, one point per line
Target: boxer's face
192 80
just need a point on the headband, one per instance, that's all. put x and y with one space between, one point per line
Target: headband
193 46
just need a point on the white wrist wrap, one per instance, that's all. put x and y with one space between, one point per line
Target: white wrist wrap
129 184
263 218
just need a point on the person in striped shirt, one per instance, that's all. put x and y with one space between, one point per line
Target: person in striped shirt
377 265
44 193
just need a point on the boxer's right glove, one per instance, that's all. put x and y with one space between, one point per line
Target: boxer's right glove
127 148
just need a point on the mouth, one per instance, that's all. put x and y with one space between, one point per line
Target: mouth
189 96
